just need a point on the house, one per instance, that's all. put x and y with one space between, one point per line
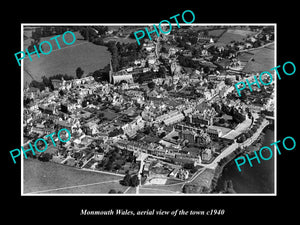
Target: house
49 109
38 130
90 128
187 53
98 156
182 174
149 46
172 51
207 95
212 77
200 119
146 69
174 119
252 39
131 128
153 94
248 45
62 124
122 75
139 62
151 60
207 154
57 84
204 52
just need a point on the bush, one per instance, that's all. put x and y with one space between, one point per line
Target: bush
45 157
134 181
188 166
112 191
126 180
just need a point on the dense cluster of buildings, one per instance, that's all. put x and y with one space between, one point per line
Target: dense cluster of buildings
167 125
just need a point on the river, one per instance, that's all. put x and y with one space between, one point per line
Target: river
256 179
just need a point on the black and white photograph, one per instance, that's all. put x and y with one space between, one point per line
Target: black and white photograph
143 112
148 117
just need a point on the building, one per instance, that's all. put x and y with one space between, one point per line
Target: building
63 124
57 84
131 128
214 132
200 119
122 75
48 109
207 154
174 119
187 135
90 128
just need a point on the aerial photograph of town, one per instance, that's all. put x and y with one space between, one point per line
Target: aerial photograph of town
162 117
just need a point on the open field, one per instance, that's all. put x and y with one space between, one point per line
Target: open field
204 178
216 32
119 39
82 54
233 35
52 178
263 60
157 189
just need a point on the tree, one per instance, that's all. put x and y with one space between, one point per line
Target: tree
210 85
36 84
108 165
27 101
242 138
79 72
151 85
134 181
247 135
126 180
251 132
98 41
47 82
61 92
45 157
222 120
101 29
117 167
112 191
188 166
132 35
216 107
228 81
237 117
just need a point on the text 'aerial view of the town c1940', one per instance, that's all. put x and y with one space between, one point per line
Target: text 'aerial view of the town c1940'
159 118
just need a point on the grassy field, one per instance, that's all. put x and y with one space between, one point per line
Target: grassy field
233 35
82 54
52 178
157 189
216 32
119 39
263 60
204 178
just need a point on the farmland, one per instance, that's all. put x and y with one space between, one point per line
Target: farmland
263 60
233 35
82 54
119 39
49 177
216 32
